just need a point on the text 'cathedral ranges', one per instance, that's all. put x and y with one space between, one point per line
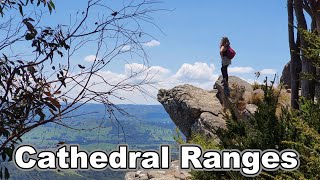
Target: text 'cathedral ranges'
249 162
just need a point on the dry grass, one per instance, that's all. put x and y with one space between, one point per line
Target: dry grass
237 96
257 96
255 86
240 97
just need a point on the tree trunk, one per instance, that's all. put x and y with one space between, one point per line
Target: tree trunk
295 58
315 15
318 21
307 86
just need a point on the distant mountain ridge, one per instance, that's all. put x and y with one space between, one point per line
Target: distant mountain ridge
147 128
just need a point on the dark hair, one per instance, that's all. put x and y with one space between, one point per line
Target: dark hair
225 41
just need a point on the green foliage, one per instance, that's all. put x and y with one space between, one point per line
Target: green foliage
205 142
265 129
309 112
311 52
178 137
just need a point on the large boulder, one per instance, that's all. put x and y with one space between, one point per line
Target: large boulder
236 91
193 109
235 84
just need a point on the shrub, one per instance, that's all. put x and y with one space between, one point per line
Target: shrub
266 129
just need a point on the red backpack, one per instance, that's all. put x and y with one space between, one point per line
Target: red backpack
230 53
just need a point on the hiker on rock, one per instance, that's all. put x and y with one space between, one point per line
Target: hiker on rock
226 53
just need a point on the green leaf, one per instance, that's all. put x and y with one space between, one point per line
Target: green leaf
50 8
52 5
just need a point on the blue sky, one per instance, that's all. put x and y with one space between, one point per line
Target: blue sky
188 49
258 32
192 32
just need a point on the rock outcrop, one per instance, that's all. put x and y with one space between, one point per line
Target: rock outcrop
233 83
174 173
286 77
196 110
193 109
230 93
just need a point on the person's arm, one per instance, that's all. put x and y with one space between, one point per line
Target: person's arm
222 49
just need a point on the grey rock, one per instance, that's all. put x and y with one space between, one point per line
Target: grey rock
250 109
258 91
286 77
193 109
156 174
224 91
233 80
173 173
143 177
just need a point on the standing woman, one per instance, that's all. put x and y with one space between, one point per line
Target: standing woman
224 45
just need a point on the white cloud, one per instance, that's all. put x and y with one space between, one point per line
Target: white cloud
135 68
113 78
125 48
153 74
90 58
195 72
268 71
241 70
199 74
152 43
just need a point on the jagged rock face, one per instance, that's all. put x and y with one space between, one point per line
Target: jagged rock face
193 109
174 173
